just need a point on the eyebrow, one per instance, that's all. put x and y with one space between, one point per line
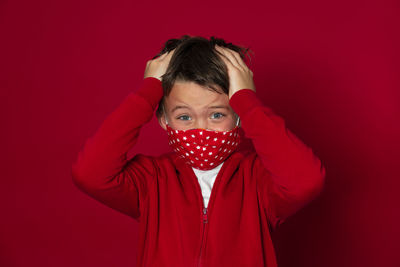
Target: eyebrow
178 107
181 107
225 107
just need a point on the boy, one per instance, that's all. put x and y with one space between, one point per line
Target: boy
207 203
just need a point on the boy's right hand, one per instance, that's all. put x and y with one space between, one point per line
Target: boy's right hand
158 66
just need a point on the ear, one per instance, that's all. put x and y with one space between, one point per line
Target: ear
236 116
161 121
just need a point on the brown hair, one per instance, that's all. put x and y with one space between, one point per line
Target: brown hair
196 60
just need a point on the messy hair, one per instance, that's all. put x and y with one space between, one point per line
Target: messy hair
196 60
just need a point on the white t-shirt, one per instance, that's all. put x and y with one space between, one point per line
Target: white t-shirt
206 180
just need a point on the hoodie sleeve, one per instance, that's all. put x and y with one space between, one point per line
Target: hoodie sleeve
289 175
102 170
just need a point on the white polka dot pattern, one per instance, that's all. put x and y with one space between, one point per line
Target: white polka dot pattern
203 149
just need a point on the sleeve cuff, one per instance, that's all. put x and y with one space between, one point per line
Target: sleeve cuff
151 90
243 101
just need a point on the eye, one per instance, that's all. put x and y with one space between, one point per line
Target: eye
184 117
219 115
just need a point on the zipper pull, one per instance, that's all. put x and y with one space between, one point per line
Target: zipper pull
205 215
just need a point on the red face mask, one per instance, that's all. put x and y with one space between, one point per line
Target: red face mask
204 149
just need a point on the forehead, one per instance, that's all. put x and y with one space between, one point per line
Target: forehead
195 96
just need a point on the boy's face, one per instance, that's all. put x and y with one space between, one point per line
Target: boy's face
191 106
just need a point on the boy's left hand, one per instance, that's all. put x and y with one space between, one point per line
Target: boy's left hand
240 76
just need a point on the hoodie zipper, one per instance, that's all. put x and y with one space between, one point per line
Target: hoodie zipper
205 220
205 210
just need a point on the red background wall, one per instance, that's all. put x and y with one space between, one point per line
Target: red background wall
331 70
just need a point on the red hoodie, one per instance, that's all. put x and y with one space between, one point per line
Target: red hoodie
254 191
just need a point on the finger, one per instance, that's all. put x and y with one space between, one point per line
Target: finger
226 60
169 54
230 56
239 60
164 55
157 58
223 56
